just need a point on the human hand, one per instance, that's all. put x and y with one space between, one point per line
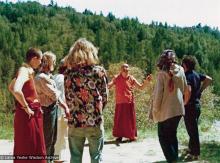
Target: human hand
42 112
67 113
28 111
149 77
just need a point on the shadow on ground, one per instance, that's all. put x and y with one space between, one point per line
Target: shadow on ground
117 143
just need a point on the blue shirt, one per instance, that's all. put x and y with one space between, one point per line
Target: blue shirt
194 79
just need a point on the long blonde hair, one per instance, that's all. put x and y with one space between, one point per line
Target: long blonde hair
82 53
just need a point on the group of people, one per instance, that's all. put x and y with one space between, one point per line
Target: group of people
177 93
81 89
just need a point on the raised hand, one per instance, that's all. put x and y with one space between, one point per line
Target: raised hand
149 77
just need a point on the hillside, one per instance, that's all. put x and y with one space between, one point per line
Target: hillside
30 24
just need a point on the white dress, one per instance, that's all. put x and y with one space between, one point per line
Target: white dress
61 146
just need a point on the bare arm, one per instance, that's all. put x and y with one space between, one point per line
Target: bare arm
111 83
15 87
206 83
187 94
11 86
145 82
65 107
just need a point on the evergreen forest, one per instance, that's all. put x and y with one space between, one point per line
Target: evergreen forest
54 28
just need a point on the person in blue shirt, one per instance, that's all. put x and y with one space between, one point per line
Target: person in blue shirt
197 83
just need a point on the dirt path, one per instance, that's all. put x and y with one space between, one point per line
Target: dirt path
146 151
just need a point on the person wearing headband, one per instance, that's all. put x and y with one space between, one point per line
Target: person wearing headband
168 102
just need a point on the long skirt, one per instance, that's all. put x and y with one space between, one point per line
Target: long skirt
125 121
28 136
62 145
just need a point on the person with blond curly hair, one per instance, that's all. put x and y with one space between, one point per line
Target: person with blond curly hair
86 95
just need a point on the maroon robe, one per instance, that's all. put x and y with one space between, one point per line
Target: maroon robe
125 121
125 116
28 132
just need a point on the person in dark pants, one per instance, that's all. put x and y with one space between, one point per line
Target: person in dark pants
197 83
168 103
167 131
49 97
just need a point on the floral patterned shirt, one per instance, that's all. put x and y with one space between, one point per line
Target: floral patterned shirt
86 95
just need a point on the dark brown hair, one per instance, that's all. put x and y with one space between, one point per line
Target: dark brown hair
166 59
33 52
190 62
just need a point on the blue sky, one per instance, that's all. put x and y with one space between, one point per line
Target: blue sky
174 12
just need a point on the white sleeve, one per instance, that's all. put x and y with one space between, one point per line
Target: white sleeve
23 76
59 80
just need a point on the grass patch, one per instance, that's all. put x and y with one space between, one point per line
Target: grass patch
210 152
6 126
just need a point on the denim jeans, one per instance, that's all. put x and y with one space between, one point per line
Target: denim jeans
191 122
77 137
167 132
50 128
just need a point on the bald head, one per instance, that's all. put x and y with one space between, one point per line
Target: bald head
124 69
125 65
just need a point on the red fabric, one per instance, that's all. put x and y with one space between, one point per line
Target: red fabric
123 89
125 121
28 133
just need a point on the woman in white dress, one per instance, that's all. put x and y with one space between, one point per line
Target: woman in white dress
61 146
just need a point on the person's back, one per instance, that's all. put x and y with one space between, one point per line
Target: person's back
194 79
169 99
168 102
48 96
196 82
85 95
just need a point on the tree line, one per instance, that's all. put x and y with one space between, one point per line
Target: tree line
30 24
